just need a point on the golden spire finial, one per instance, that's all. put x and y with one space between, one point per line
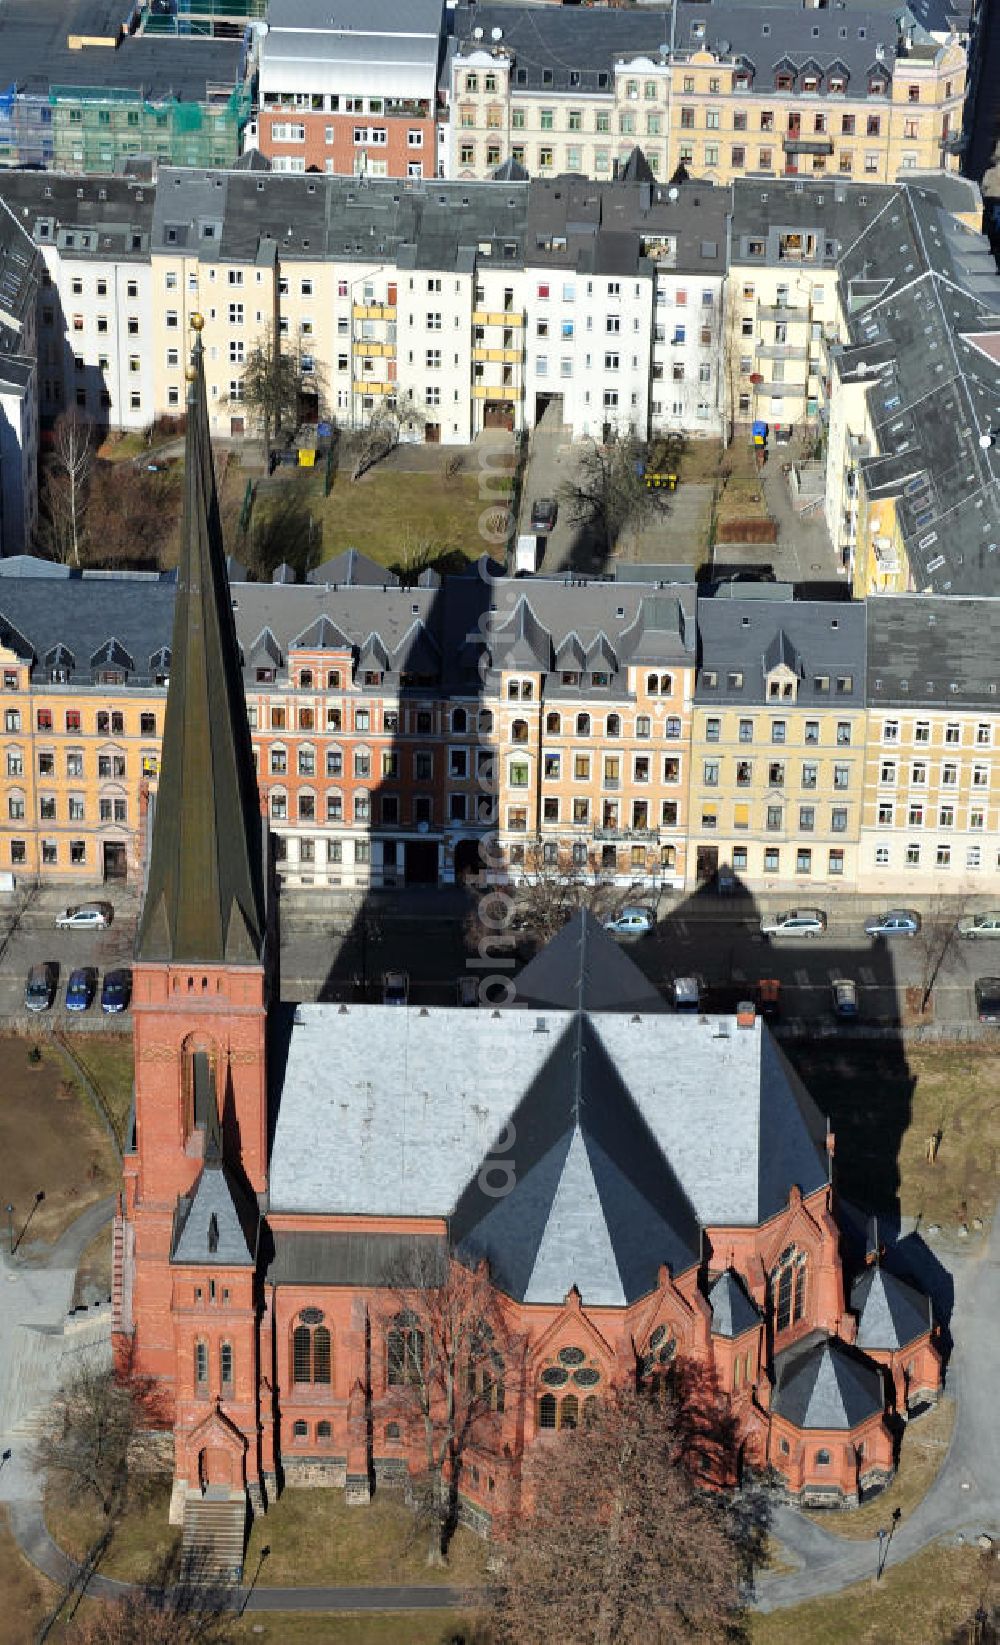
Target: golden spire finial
197 321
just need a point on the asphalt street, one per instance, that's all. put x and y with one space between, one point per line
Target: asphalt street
335 947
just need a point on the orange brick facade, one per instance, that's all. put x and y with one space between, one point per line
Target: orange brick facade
349 144
220 1341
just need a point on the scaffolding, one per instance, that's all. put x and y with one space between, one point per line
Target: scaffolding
103 129
219 19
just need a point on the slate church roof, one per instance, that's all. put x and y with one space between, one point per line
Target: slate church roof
890 1312
821 1383
621 1129
733 1311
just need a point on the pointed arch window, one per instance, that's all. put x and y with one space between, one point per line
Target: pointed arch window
404 1352
788 1287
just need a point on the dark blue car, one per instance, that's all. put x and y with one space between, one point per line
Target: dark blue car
117 991
81 988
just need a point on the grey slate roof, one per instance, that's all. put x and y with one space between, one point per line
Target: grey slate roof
816 638
52 608
622 1122
821 1383
733 1311
933 651
923 290
890 1312
584 969
217 1222
352 569
422 223
560 49
593 1202
630 225
88 217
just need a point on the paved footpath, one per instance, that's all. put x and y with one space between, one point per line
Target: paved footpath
965 1497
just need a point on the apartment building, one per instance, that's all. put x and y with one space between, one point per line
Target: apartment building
625 288
778 742
590 687
783 312
19 279
85 665
931 811
376 285
913 468
353 94
95 300
721 90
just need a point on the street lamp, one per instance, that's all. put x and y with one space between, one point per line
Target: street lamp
10 1228
881 1535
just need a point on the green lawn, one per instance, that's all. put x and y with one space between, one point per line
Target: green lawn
924 1447
884 1102
141 1539
402 520
922 1602
57 1157
387 1628
107 1059
314 1537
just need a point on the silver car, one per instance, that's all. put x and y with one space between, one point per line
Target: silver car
794 922
895 922
980 925
632 922
87 916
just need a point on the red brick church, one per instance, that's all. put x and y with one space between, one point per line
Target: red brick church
643 1187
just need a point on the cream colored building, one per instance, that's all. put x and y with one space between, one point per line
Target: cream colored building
931 815
796 92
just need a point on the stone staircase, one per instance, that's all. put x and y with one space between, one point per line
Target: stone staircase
214 1537
41 1359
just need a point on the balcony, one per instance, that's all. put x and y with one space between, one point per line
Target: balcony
782 351
782 311
373 311
374 385
492 317
498 356
796 144
365 345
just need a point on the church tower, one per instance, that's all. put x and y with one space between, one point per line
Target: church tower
196 1162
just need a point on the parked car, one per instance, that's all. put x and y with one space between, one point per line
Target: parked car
117 991
395 988
794 922
769 997
85 916
544 513
845 998
81 988
467 991
40 988
988 999
687 994
634 921
980 925
895 922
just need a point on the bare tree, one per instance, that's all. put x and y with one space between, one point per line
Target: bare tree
448 1355
551 886
98 1439
609 491
933 943
65 486
181 1603
613 1542
380 433
272 387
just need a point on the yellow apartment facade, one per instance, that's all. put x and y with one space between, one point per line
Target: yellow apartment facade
777 744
